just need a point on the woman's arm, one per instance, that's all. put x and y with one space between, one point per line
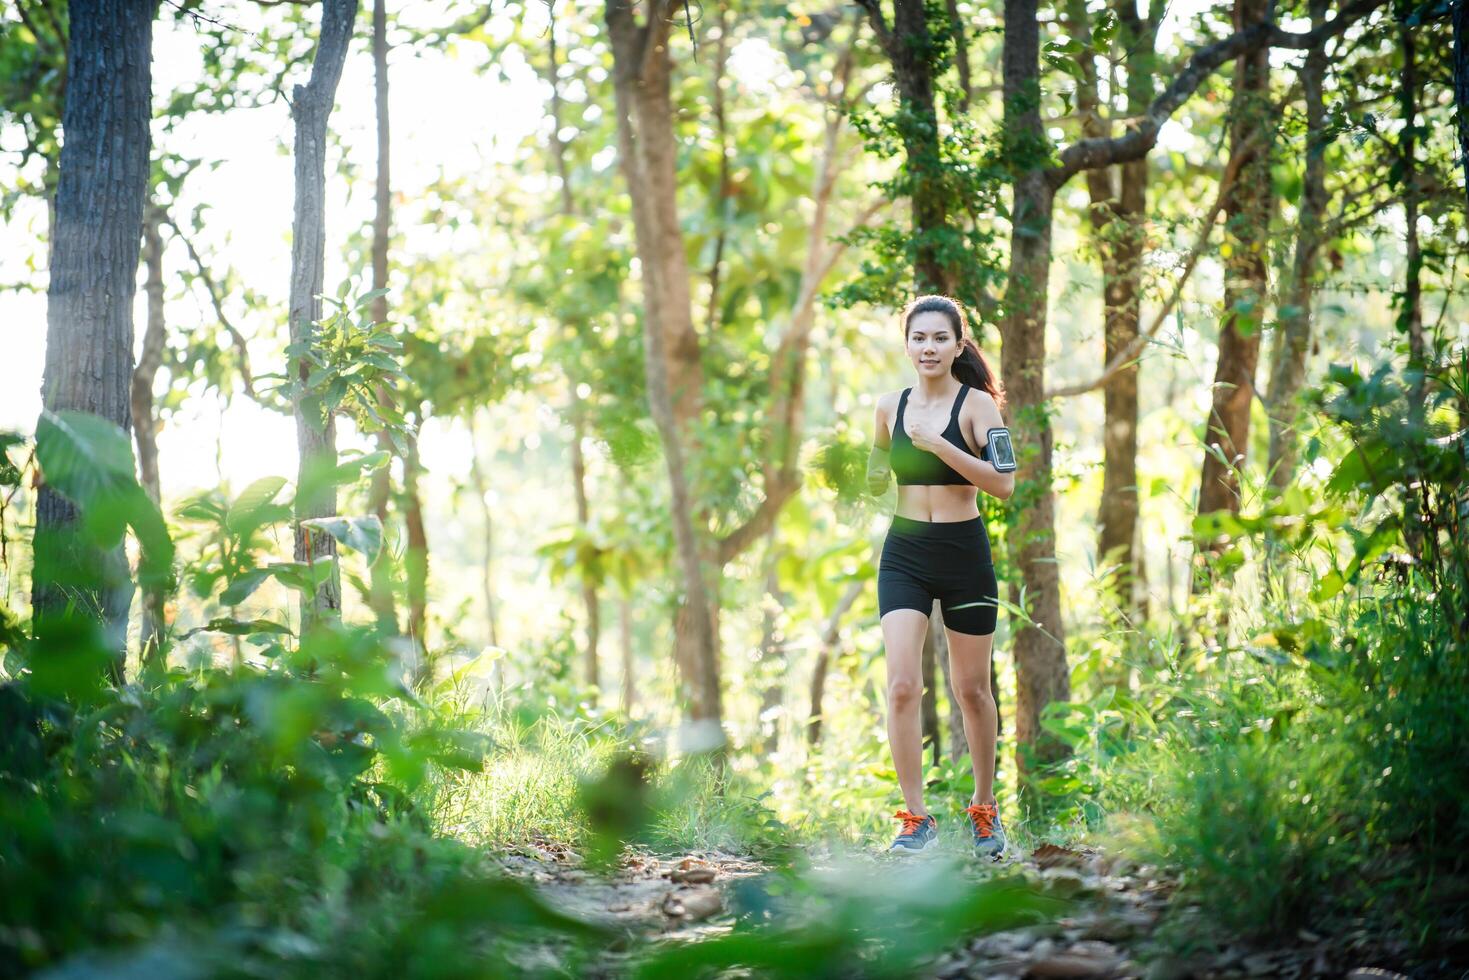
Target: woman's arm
979 415
879 469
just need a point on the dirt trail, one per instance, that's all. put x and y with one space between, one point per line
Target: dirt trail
1110 933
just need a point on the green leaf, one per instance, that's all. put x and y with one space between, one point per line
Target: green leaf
364 534
247 582
245 512
89 460
238 627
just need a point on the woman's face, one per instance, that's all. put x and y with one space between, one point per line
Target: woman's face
932 344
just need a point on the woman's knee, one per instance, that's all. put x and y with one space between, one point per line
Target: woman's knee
975 695
904 692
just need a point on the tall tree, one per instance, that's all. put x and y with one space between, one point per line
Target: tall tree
144 424
97 230
316 432
1118 198
1041 674
381 588
1040 645
589 591
643 67
1461 88
1293 335
673 363
1247 210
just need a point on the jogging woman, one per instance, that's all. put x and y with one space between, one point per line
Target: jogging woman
944 439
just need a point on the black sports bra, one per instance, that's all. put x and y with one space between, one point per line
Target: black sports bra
914 466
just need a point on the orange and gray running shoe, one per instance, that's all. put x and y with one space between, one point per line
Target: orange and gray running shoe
989 835
916 835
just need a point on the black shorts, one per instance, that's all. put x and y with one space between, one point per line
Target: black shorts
944 560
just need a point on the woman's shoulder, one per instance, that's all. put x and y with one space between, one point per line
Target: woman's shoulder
980 404
887 402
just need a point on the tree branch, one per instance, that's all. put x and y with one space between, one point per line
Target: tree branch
878 22
217 301
1125 356
1087 154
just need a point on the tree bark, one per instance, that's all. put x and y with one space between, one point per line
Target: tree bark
1041 675
97 229
145 426
380 595
1293 336
316 434
1247 223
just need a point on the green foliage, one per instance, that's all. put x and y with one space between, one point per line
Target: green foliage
347 358
1312 775
248 809
90 461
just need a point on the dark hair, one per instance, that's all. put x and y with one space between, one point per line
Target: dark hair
971 366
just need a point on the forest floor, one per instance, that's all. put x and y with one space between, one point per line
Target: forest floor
1115 927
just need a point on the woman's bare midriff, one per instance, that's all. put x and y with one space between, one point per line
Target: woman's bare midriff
939 503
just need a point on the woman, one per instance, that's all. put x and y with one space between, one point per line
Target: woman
935 437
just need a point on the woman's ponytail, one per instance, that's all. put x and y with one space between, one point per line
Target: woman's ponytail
974 369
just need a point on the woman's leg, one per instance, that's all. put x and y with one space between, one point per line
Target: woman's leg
969 669
903 631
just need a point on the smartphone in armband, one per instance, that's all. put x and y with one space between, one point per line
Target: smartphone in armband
1002 454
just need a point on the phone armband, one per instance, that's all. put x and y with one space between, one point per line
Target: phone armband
1002 453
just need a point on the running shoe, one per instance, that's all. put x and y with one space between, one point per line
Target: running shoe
989 836
917 833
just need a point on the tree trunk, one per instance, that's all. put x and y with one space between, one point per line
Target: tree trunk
830 637
1116 221
961 55
316 433
1293 336
97 228
724 200
1041 675
145 426
772 665
958 743
929 704
481 487
583 520
629 680
648 158
590 599
416 556
910 46
1247 221
1410 309
1410 314
380 595
1460 17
